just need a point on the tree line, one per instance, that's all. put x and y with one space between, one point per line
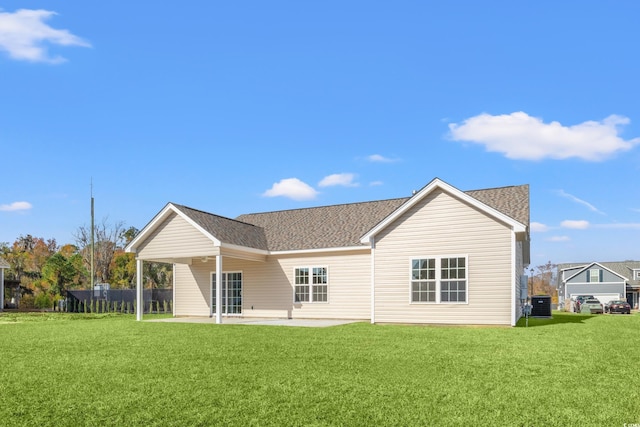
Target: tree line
45 271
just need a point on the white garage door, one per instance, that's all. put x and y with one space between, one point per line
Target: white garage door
605 298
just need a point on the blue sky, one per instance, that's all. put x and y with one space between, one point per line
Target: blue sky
240 107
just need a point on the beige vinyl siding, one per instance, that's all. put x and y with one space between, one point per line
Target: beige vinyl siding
267 288
349 290
442 225
175 238
191 290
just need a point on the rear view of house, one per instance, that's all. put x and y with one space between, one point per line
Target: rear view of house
442 256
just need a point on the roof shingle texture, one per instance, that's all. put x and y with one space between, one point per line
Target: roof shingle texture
227 230
343 225
333 226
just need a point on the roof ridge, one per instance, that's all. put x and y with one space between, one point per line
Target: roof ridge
213 214
497 188
326 206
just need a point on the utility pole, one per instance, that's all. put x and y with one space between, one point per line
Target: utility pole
93 274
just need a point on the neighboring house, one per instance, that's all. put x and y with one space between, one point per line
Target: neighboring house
606 281
442 256
3 265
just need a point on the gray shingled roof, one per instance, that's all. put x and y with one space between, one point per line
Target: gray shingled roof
227 230
344 225
512 201
623 268
333 226
322 227
4 264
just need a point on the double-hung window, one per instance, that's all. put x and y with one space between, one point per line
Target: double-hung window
311 284
439 280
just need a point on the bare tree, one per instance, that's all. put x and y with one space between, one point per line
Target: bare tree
107 239
544 280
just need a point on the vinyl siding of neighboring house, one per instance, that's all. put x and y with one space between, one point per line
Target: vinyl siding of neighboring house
442 225
268 287
610 286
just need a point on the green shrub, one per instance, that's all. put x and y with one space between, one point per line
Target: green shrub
165 306
42 301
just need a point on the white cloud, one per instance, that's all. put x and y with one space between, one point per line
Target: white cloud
24 35
375 183
575 224
520 136
580 201
16 206
292 188
343 179
537 227
558 239
377 158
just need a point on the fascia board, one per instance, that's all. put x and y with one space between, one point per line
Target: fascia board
149 228
588 267
320 250
437 183
157 220
244 249
187 218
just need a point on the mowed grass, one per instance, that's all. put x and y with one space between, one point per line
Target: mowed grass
75 370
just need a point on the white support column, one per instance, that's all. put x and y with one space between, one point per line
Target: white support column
211 293
173 284
1 289
139 290
218 289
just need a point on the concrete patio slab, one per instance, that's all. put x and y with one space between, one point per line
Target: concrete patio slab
306 323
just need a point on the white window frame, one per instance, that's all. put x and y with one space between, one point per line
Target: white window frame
438 279
636 274
597 275
310 269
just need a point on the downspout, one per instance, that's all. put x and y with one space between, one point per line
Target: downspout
373 280
514 276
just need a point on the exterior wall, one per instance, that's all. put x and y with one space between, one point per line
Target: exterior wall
268 287
441 225
191 290
175 238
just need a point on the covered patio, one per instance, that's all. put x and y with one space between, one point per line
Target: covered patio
192 240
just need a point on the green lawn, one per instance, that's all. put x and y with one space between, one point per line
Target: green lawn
60 369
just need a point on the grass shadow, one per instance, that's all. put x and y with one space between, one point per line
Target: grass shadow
558 317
